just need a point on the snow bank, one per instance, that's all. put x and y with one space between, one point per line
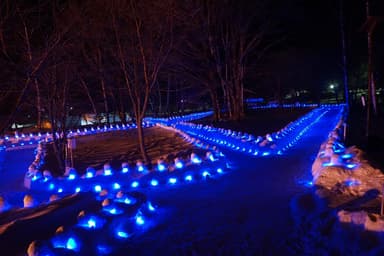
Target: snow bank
344 170
340 172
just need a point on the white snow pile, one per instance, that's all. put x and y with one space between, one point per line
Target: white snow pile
344 170
369 221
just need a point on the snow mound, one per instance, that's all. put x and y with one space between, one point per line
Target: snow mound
370 221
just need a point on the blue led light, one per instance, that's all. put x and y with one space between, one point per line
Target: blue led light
125 170
154 183
172 180
78 189
51 186
351 166
72 176
91 223
205 174
116 186
179 165
134 184
60 190
71 244
140 220
188 178
161 167
122 234
97 188
89 175
219 170
151 207
107 172
140 168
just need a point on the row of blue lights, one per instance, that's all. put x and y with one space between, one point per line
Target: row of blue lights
120 217
22 140
275 143
176 119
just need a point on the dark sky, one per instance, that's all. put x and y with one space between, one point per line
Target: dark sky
312 50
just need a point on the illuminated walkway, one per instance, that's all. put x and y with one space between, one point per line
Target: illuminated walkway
246 210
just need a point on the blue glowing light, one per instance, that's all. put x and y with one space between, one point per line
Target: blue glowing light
135 184
172 180
91 223
60 190
107 172
34 177
266 153
140 168
71 244
195 160
103 250
125 170
116 186
219 170
347 156
72 176
127 201
351 166
188 178
51 186
140 220
179 165
78 189
97 188
161 167
151 207
154 182
89 175
352 182
205 174
122 234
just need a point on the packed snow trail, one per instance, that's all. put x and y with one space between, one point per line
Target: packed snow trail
246 211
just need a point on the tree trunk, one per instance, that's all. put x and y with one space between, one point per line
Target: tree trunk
344 52
140 137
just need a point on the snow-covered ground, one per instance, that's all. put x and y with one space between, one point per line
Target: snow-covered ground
245 211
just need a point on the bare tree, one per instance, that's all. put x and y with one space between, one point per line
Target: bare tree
143 39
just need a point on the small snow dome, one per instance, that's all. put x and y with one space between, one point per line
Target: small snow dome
120 194
104 192
106 202
28 201
107 169
53 197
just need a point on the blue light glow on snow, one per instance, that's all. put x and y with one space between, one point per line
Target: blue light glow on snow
172 180
116 186
71 244
97 188
151 207
154 183
140 220
188 178
122 234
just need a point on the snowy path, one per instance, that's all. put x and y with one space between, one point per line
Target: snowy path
246 211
